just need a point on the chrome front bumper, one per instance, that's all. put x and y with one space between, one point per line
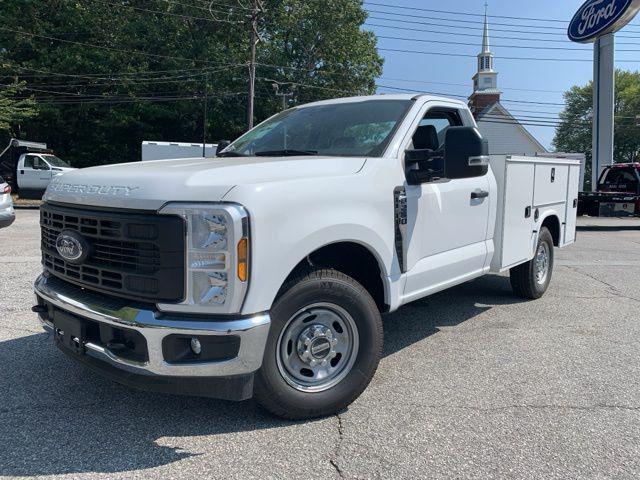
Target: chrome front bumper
252 332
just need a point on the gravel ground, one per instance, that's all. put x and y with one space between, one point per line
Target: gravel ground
474 383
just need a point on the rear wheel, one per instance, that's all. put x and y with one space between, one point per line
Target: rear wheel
531 279
324 346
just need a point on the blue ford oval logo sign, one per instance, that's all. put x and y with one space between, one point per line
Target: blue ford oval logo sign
71 246
599 17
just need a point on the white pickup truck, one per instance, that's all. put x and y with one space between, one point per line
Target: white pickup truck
265 272
35 171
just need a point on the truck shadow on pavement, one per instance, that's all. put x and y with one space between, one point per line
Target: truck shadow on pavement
57 417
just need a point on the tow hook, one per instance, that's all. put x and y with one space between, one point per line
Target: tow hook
39 309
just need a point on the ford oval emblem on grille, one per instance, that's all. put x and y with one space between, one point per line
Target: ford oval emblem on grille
72 247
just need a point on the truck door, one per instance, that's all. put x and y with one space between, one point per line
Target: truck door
28 176
34 173
44 172
447 219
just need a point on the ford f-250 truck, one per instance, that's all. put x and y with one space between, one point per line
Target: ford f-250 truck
618 192
264 272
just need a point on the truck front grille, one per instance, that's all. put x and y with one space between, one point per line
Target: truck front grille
138 256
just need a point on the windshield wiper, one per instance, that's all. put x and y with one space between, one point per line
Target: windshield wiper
230 154
285 153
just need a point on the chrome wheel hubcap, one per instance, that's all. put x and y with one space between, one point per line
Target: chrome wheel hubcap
542 263
317 348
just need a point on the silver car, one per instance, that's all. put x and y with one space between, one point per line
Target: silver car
7 215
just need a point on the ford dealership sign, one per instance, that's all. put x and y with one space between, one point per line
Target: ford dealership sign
599 17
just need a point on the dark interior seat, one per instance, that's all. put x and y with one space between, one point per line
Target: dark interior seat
426 138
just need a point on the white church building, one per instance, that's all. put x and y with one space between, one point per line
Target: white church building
506 135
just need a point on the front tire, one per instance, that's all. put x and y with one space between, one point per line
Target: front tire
324 345
531 280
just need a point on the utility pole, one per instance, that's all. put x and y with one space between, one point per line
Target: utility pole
284 95
257 9
204 122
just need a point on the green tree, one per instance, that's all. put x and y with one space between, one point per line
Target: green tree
574 134
107 74
14 109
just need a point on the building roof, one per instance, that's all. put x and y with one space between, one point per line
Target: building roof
496 110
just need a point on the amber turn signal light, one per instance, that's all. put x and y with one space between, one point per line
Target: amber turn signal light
243 259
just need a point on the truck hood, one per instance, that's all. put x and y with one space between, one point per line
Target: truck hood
150 185
61 170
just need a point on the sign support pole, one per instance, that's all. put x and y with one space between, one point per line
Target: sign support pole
603 105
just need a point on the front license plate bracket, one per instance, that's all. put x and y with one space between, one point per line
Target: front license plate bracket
70 333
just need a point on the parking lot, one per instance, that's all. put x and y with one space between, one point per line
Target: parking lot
474 383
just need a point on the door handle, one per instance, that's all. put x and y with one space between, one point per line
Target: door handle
479 194
21 172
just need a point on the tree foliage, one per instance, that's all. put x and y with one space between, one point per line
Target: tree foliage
14 109
108 74
574 134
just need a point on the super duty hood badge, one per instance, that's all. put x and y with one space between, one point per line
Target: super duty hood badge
112 190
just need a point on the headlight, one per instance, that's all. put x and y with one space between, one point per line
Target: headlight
216 257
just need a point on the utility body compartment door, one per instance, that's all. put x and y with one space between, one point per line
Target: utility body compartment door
572 205
550 184
518 214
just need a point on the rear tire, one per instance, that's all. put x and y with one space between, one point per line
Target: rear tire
531 280
324 346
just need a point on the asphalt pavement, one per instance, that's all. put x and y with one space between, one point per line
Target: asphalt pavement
474 383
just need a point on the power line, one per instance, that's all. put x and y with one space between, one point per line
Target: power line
102 47
466 85
128 81
448 12
102 76
463 13
477 35
475 22
493 45
409 90
534 59
464 27
443 54
158 12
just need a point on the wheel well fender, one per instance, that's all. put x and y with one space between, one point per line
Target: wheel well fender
552 222
354 259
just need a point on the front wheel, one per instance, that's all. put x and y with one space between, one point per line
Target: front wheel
531 280
324 346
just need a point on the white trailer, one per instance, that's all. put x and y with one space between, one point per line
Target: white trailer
174 150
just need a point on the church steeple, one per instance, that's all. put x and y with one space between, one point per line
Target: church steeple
485 57
486 47
485 81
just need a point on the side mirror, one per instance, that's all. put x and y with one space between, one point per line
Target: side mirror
222 144
466 153
427 165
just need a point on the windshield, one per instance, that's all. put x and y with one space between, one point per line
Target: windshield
55 161
354 129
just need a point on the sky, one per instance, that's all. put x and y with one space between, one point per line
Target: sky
541 81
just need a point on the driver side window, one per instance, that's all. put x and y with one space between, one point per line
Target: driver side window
427 142
432 130
29 161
